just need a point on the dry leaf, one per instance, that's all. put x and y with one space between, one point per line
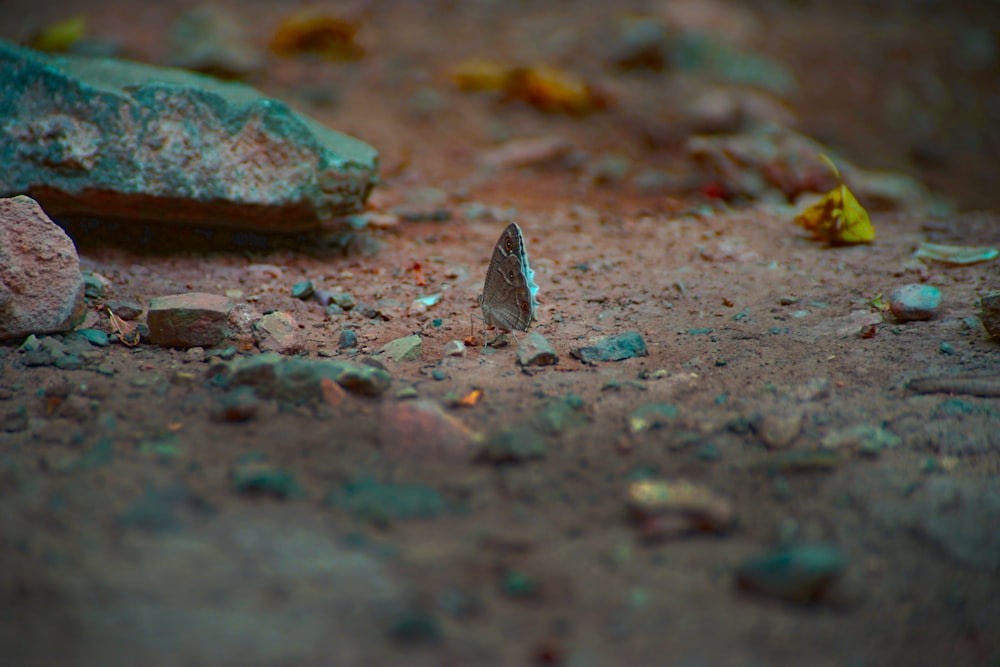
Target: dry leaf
327 36
838 218
477 75
61 36
128 332
470 399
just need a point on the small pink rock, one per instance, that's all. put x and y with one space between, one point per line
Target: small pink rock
41 287
422 430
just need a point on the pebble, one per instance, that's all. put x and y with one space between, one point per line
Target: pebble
93 336
343 299
239 405
614 348
126 309
534 151
561 414
650 416
380 502
454 348
915 302
252 475
865 439
778 430
420 429
801 573
298 379
535 350
14 419
409 348
348 338
989 313
801 461
513 445
303 290
94 285
673 508
278 332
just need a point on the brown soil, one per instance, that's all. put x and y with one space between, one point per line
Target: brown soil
701 281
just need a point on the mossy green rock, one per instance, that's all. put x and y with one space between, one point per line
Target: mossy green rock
112 138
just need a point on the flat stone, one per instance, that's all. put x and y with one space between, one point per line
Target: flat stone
41 287
409 348
422 430
188 320
989 312
673 508
614 348
513 445
126 309
915 302
865 439
535 350
560 414
93 336
112 138
278 332
799 573
252 475
14 419
651 415
382 502
300 380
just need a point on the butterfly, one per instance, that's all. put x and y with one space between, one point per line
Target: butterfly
508 298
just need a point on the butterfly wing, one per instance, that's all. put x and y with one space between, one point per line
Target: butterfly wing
508 298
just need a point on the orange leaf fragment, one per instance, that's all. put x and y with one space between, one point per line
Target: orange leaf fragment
418 275
470 399
309 31
553 90
476 75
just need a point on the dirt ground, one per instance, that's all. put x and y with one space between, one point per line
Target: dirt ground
124 541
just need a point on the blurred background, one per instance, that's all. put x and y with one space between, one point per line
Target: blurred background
908 86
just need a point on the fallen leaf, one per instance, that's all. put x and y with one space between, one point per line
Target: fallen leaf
478 75
309 31
418 275
128 332
838 218
60 36
553 90
470 399
955 254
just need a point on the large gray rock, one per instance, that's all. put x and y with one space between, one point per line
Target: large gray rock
110 138
41 287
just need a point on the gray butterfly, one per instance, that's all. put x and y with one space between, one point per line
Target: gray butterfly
508 298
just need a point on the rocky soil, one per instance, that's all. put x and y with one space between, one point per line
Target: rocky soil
788 456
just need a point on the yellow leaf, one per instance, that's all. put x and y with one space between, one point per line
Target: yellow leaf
61 36
838 218
481 75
